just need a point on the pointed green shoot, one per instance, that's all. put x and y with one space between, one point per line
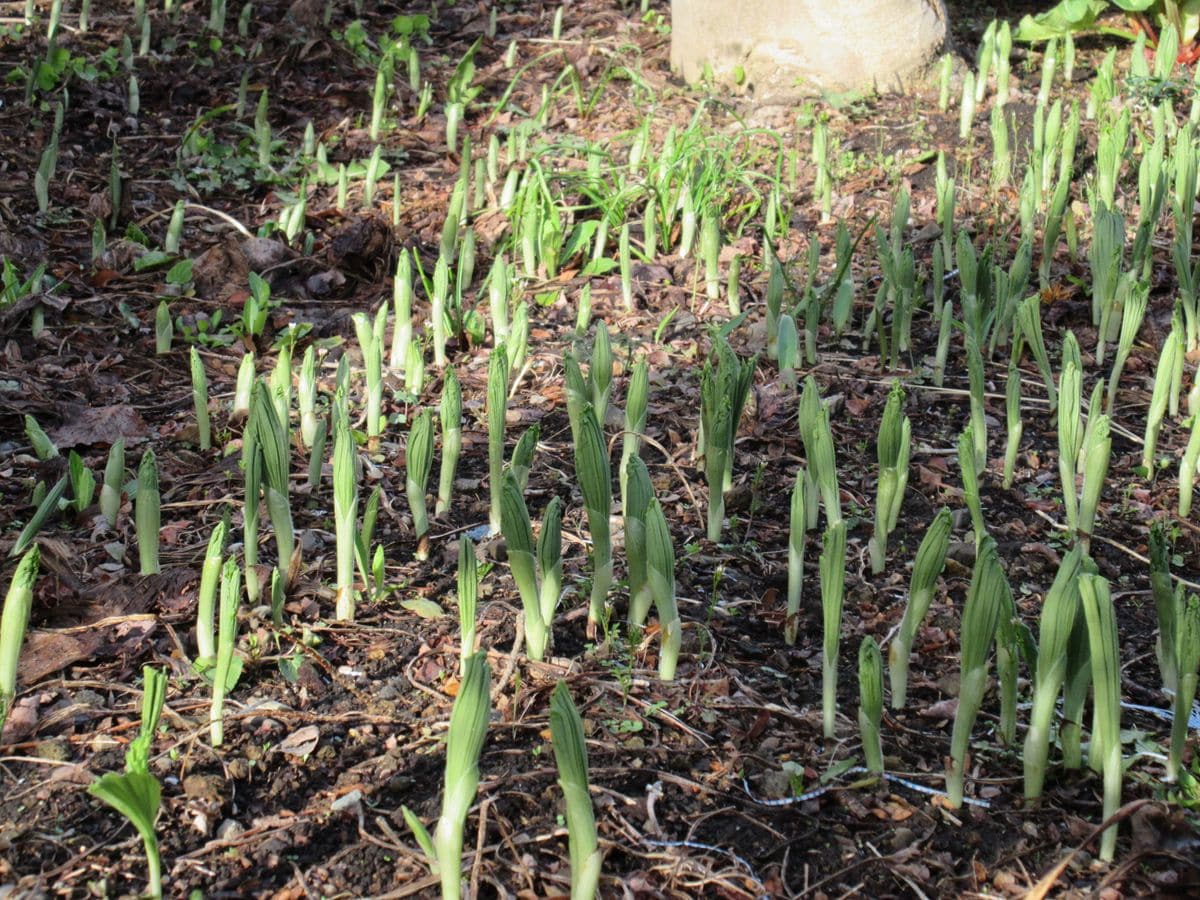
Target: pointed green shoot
988 596
931 558
833 576
450 414
14 619
146 513
1106 687
418 463
464 743
570 754
870 702
595 482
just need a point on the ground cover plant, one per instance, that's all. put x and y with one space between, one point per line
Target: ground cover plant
896 382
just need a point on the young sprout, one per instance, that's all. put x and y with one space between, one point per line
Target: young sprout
47 504
243 386
798 527
370 568
1106 686
660 576
262 130
519 548
1013 640
635 420
1059 612
549 557
419 461
146 513
870 702
943 343
1187 655
625 262
595 482
978 416
1166 602
464 743
600 371
402 291
378 104
43 447
892 450
817 437
1029 332
135 793
931 558
733 285
521 462
370 342
988 596
450 415
210 576
271 445
787 351
983 60
114 478
518 343
1001 154
499 282
1187 468
13 621
637 500
164 329
710 250
723 393
306 397
1097 449
83 482
1012 409
833 575
970 477
468 595
945 70
200 399
345 514
1070 438
967 109
1049 58
438 312
570 754
1164 386
229 665
774 302
497 407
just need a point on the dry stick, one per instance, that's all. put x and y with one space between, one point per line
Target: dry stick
1043 887
1085 404
1128 551
674 465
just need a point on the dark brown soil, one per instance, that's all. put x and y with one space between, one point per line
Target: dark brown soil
271 815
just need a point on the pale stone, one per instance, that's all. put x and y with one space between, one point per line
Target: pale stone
777 50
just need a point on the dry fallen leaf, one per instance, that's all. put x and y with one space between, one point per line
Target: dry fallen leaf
301 742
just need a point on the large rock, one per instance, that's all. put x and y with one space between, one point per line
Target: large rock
782 49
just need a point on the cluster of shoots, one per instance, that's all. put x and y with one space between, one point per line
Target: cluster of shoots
724 388
892 449
464 744
536 567
676 189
